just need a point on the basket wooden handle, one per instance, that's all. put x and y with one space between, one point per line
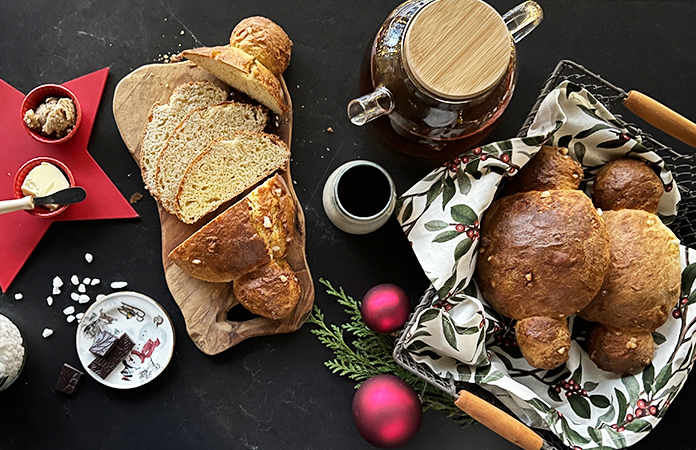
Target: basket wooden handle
661 117
499 422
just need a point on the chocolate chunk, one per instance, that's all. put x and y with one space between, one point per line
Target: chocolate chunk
68 379
104 365
103 344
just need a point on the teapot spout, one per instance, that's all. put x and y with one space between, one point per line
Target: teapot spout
371 106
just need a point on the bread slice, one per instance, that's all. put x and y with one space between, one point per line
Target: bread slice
246 236
226 169
163 119
193 135
243 72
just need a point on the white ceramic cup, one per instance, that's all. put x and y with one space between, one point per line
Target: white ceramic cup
341 215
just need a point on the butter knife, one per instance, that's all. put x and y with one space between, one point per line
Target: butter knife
63 197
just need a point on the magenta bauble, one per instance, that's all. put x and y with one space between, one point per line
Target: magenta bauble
385 308
387 412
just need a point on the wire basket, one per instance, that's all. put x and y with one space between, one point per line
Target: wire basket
681 165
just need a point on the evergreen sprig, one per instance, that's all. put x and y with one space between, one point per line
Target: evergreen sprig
367 354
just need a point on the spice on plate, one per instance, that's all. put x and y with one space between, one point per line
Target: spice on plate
55 117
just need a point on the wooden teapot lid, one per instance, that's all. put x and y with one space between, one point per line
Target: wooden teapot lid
457 49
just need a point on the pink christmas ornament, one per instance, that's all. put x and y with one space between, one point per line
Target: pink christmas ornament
387 412
385 308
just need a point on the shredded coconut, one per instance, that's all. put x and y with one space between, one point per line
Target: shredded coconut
11 349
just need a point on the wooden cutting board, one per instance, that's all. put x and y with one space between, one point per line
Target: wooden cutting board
205 305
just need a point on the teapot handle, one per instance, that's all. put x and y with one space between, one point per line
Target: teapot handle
522 19
371 106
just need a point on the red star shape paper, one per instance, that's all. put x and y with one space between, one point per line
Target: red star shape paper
21 232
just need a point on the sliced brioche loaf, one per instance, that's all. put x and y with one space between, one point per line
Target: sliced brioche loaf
247 235
193 135
163 119
225 169
243 72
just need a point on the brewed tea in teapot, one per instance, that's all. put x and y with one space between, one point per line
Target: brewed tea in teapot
444 70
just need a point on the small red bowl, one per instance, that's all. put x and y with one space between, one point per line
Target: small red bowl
40 211
37 97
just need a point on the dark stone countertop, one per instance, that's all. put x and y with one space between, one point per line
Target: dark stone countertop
274 392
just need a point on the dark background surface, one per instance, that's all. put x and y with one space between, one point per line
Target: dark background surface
274 392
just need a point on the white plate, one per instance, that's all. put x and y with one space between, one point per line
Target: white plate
147 324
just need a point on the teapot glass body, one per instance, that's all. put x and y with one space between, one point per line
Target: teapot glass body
419 113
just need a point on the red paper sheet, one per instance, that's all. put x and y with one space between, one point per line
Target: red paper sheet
21 232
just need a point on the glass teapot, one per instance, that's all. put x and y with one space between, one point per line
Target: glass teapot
444 70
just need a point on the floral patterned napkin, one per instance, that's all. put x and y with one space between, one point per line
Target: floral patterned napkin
583 405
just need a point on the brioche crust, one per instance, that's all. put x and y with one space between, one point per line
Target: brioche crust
643 279
542 254
271 291
265 40
550 168
243 72
627 183
244 237
543 341
620 351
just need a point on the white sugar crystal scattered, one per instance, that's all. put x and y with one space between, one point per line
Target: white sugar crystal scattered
74 280
86 281
88 257
84 298
81 288
118 284
79 316
57 281
70 319
49 300
69 310
56 290
46 332
19 296
75 296
95 281
100 296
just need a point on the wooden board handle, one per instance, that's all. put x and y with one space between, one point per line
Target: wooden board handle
18 204
499 422
661 117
